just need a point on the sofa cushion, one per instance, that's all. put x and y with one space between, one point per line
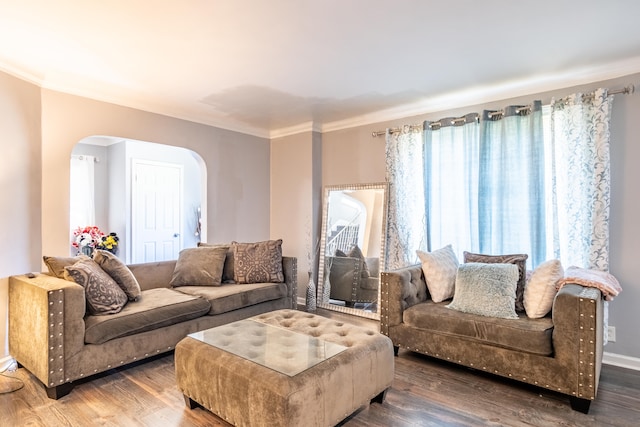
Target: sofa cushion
541 288
259 262
119 272
486 289
523 334
229 297
227 271
156 308
199 267
56 264
439 268
102 293
518 259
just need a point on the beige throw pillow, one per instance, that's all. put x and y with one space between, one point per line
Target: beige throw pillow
102 293
439 268
199 267
56 264
119 272
227 271
541 288
259 262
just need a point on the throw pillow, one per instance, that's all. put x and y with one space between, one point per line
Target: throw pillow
56 264
486 290
102 293
541 288
227 271
518 259
259 262
440 268
341 253
356 252
119 272
199 266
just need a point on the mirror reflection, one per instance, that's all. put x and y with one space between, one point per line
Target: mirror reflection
352 248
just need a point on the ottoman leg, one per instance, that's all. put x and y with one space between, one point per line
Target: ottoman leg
191 404
380 398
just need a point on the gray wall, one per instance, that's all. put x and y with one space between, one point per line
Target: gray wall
20 178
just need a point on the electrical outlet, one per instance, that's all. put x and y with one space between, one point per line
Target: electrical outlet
611 331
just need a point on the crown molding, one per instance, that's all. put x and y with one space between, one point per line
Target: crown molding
294 130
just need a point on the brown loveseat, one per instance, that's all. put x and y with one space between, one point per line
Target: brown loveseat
51 334
561 351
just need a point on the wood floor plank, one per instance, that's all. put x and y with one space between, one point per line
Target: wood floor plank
425 392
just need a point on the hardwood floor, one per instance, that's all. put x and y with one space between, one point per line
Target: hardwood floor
426 392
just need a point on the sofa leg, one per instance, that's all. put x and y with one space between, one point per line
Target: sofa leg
191 404
396 348
580 405
380 398
59 391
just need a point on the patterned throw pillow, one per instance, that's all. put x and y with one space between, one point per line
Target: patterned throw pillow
486 290
119 272
518 259
439 268
541 288
259 262
199 266
102 293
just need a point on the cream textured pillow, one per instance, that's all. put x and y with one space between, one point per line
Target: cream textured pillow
102 293
541 288
486 290
259 262
439 268
199 267
119 272
518 259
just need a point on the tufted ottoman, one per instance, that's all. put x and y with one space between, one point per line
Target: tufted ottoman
244 392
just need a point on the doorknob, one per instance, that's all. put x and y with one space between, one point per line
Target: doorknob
176 234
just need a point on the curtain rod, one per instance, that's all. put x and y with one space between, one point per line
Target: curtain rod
627 90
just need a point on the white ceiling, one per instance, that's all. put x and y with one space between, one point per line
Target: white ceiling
275 67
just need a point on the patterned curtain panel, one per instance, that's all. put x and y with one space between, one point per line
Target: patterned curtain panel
581 187
406 216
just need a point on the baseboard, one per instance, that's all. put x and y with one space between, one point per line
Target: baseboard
621 361
6 363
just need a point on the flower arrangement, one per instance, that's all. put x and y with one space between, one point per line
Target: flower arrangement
86 239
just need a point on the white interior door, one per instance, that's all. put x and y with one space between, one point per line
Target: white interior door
156 211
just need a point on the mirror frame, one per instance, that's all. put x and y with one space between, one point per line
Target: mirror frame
323 235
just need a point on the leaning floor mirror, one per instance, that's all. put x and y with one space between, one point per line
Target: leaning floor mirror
352 248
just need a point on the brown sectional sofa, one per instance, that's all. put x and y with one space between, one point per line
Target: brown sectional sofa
51 334
561 351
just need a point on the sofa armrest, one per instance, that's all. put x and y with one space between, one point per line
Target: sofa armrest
290 270
46 324
578 332
400 289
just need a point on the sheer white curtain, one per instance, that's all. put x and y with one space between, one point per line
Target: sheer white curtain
581 186
406 230
82 210
511 185
451 184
